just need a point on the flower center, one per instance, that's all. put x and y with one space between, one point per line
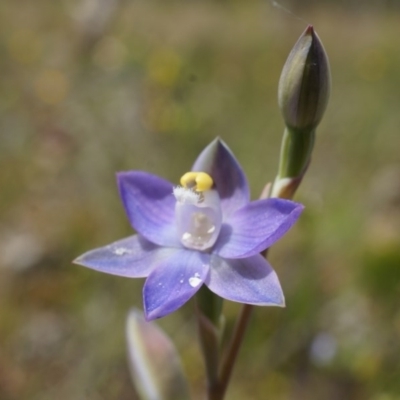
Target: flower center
197 211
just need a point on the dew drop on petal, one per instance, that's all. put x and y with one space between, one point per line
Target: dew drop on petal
195 280
120 251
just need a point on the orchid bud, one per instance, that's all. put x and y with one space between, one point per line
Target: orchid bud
303 95
305 83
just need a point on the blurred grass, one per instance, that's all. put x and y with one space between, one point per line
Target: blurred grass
88 88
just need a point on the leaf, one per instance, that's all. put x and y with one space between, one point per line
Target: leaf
154 363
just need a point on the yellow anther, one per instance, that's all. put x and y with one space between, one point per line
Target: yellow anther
199 181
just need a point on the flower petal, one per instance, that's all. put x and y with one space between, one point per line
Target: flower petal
174 282
150 205
249 280
218 161
256 227
132 257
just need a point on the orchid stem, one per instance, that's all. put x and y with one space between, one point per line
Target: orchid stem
228 362
232 351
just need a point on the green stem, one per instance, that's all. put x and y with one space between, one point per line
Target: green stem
295 152
233 349
208 311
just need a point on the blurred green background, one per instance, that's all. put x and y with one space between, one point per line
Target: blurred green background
91 87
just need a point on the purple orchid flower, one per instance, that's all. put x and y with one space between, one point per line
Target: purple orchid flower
204 232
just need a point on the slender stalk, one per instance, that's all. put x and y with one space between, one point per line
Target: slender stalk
209 341
208 312
228 362
232 351
240 329
296 151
